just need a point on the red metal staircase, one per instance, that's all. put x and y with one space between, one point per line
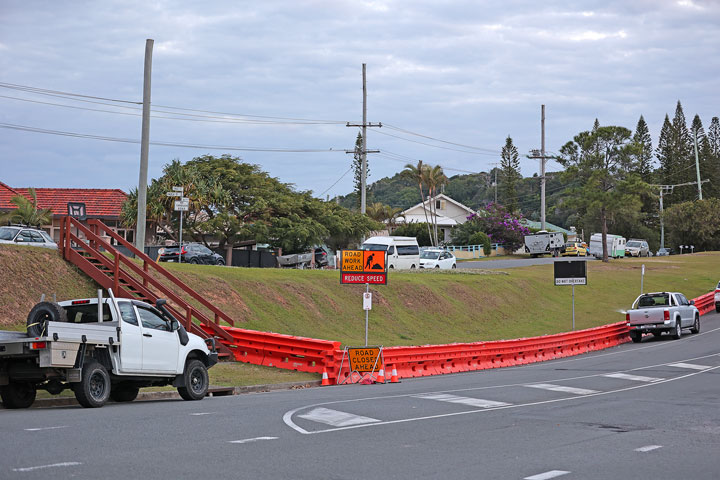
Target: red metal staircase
142 278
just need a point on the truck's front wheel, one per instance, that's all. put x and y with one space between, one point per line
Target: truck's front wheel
196 381
93 391
18 395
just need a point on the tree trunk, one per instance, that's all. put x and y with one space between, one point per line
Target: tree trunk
427 222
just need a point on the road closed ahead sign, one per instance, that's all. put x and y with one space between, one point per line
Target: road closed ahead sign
363 266
365 359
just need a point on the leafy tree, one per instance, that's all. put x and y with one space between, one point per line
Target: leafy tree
414 229
694 223
27 211
383 213
510 165
417 174
500 225
480 238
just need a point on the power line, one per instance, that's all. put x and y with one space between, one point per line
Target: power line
435 146
495 152
336 182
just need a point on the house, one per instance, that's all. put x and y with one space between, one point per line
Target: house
100 203
447 211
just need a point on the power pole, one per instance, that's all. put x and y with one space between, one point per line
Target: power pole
365 124
667 189
540 154
144 148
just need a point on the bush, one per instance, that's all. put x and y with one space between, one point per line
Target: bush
480 238
417 230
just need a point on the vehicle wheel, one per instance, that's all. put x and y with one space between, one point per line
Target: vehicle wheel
454 265
636 336
18 395
392 267
678 330
717 308
124 393
412 267
196 381
93 390
194 261
437 266
220 262
657 334
696 325
41 314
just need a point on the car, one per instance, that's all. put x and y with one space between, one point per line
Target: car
717 298
321 257
637 248
577 249
21 235
437 258
663 252
191 253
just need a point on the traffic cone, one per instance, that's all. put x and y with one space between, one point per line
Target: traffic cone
325 379
381 376
393 376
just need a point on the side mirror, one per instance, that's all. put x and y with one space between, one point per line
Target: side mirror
692 302
19 239
160 302
174 325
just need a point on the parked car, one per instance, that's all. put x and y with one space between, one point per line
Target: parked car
437 258
637 248
321 257
717 298
191 253
577 249
663 252
19 235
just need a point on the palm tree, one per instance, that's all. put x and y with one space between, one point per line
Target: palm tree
417 174
434 177
27 211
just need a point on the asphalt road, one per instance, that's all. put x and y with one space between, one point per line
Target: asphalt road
648 410
517 262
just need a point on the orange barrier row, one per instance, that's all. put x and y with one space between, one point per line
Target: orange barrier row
705 303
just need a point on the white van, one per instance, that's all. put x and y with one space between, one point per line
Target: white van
615 245
403 252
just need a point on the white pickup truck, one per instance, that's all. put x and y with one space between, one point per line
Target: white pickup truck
660 312
102 349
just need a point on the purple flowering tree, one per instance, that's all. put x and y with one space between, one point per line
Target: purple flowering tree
502 226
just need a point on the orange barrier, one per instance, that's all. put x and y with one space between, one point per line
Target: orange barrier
705 303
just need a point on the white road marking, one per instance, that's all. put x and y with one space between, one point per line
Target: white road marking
691 366
202 413
547 475
635 378
648 448
250 440
40 467
473 402
336 418
44 428
562 388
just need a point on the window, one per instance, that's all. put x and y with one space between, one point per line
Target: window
128 313
25 236
46 237
151 320
86 313
7 233
408 250
36 237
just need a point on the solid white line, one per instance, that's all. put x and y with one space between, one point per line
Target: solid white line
547 475
648 448
562 388
473 402
691 366
635 378
336 418
44 428
39 467
250 440
202 413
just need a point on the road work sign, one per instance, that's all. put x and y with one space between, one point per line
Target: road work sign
363 266
365 359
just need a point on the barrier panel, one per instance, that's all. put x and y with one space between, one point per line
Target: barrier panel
705 303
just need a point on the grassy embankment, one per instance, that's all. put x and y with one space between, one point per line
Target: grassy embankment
412 309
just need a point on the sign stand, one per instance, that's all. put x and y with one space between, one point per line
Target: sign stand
181 205
364 266
363 362
571 272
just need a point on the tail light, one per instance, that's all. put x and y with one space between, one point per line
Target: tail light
627 317
183 251
666 315
38 345
80 302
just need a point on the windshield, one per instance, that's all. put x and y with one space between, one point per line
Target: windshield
633 244
7 233
374 246
429 255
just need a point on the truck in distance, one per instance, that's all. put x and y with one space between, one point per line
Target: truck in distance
542 243
662 312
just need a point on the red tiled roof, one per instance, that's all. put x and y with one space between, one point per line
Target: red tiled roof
99 202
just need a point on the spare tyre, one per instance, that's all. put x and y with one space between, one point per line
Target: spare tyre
41 314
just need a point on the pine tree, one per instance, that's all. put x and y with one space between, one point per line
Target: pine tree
663 151
510 165
714 137
682 157
357 170
708 166
645 152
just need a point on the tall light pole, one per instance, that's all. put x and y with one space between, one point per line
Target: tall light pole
144 148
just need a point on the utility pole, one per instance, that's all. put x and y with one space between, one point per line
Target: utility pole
697 167
667 189
365 124
541 155
495 184
144 147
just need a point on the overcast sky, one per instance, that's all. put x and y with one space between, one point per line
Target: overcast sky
273 78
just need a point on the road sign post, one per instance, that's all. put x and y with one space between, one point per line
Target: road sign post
181 205
364 266
571 272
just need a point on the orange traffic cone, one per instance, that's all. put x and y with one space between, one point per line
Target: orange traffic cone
325 379
393 376
381 376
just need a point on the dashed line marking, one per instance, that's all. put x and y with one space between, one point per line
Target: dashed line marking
256 439
648 448
40 467
691 366
336 418
547 475
562 388
634 378
198 414
473 402
44 428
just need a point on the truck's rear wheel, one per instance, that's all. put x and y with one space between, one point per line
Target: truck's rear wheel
696 325
124 393
196 381
93 391
635 336
18 395
41 314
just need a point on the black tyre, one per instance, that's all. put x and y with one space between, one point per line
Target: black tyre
454 266
437 266
124 393
696 325
717 308
412 267
222 262
636 336
18 395
657 334
93 391
193 260
41 314
677 333
196 381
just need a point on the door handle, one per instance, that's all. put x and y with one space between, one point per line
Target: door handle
146 335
